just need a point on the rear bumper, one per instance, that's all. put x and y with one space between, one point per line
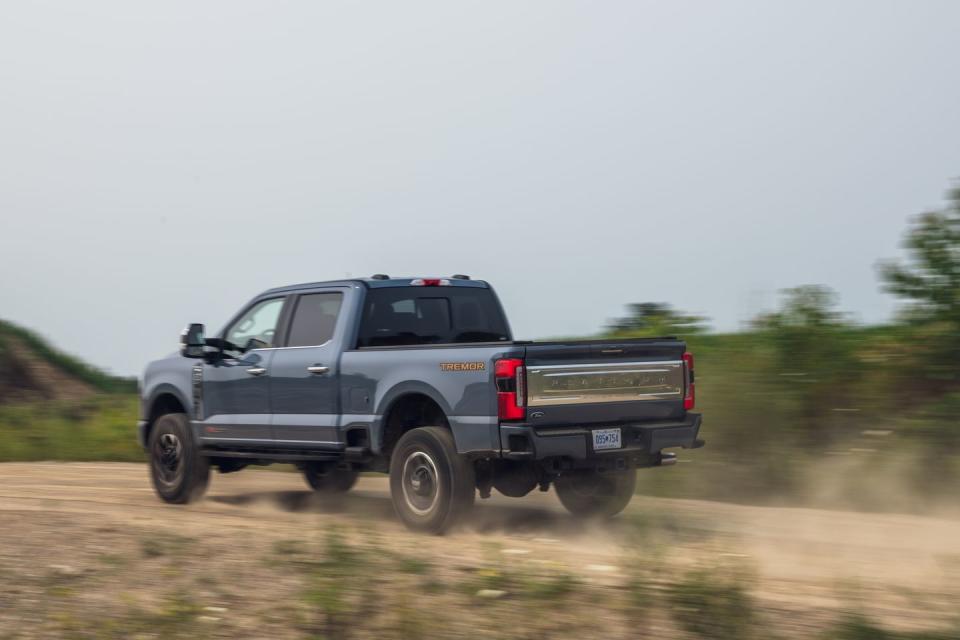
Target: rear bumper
642 442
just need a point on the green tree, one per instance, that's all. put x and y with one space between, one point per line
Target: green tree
806 309
648 319
930 282
931 278
814 358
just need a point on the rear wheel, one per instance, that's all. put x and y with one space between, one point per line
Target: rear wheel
432 486
180 473
329 478
595 494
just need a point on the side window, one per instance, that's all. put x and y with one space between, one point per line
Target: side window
258 324
314 319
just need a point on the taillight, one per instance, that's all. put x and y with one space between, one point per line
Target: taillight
690 397
511 389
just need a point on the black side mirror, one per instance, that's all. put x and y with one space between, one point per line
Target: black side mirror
192 341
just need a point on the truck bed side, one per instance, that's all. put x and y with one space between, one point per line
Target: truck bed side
458 378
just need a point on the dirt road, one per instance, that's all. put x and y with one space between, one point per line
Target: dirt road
88 550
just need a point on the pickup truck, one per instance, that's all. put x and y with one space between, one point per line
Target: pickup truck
419 378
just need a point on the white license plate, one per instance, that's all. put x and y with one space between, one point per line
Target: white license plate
606 439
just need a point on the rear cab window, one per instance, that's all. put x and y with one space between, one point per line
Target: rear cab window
395 316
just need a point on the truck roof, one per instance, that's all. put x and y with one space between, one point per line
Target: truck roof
380 281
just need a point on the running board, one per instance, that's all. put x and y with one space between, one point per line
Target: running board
271 454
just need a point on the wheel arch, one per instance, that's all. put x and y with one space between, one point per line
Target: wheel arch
164 399
406 406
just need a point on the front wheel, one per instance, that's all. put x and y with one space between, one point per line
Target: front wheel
180 473
432 486
595 494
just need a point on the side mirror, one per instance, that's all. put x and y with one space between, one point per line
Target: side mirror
192 341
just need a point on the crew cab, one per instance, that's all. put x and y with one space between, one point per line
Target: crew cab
419 378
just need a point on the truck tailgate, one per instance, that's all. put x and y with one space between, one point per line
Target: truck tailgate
605 382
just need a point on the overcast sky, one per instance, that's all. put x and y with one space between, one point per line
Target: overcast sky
163 162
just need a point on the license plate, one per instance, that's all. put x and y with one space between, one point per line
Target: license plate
606 439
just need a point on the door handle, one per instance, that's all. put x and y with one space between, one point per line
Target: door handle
256 371
318 370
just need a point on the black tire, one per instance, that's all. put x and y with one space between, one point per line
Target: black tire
432 486
593 494
327 477
180 473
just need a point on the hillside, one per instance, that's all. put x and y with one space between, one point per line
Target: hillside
54 406
32 369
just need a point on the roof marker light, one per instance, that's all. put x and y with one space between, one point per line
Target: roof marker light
430 282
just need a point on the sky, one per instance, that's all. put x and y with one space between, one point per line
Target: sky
161 163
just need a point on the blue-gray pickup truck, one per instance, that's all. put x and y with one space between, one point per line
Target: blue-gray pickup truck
419 378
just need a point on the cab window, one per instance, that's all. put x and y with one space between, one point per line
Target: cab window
314 319
257 327
395 316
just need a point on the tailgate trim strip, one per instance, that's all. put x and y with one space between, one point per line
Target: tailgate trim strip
604 382
604 364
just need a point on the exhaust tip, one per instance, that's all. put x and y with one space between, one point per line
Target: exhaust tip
667 459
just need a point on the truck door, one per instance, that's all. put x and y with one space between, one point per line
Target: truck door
236 399
304 373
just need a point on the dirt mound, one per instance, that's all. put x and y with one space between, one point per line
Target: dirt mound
31 369
26 376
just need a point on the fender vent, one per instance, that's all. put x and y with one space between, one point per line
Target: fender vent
196 382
